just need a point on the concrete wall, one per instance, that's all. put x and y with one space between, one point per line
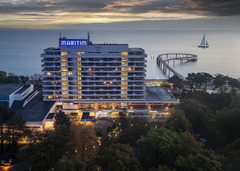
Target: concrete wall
12 97
24 94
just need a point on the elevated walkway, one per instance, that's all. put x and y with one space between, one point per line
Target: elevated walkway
163 62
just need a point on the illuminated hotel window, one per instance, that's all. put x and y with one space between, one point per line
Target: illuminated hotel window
91 73
64 69
70 73
124 83
65 88
64 64
64 78
124 64
64 74
124 59
111 82
49 73
79 83
79 92
123 78
79 88
50 97
124 73
79 78
63 58
79 73
78 64
79 97
124 88
78 59
80 53
90 69
65 92
63 53
124 92
124 53
124 69
79 69
64 83
123 95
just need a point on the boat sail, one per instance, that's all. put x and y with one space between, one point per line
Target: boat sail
204 43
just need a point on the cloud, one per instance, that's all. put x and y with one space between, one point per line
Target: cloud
197 7
49 12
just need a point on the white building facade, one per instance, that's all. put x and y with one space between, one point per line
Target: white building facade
79 70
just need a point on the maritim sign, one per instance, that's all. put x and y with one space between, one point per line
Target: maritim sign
73 42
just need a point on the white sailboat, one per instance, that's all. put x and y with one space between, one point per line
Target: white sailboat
204 43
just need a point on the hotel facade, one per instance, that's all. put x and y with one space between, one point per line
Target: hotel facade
101 79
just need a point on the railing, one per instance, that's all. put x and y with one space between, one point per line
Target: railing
163 62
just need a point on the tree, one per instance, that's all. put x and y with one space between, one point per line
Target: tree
44 154
177 82
198 162
118 157
159 147
197 113
61 121
84 141
178 122
23 79
138 127
227 120
191 145
220 81
3 76
74 163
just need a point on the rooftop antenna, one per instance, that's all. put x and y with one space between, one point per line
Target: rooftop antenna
60 35
88 37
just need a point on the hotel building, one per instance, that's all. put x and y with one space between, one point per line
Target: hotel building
101 79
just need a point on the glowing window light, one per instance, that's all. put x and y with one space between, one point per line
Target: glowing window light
124 53
63 53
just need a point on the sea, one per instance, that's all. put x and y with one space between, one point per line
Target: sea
20 49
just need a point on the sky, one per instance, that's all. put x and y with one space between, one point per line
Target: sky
65 14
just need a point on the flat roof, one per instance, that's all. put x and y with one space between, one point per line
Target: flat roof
35 110
157 93
6 88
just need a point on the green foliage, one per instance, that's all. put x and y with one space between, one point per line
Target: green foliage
227 121
198 114
14 128
178 122
114 126
233 146
138 127
61 121
44 154
220 82
109 129
198 80
231 161
191 145
84 141
2 76
159 146
118 157
72 163
198 162
123 123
